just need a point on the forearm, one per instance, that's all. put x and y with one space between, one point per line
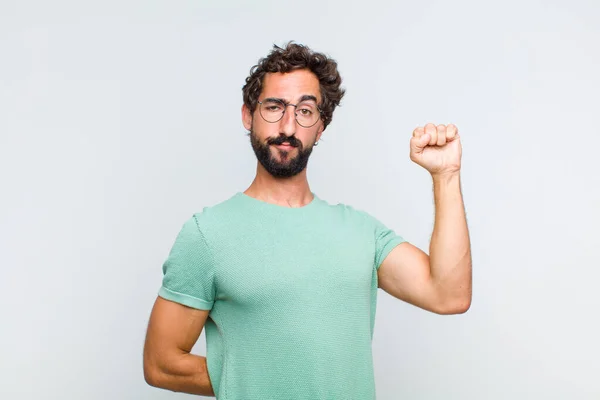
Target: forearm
450 248
186 373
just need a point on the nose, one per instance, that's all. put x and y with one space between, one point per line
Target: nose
288 122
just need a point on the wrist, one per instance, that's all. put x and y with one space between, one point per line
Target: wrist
445 177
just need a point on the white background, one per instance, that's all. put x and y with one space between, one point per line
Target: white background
119 119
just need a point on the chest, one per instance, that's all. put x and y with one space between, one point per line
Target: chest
284 267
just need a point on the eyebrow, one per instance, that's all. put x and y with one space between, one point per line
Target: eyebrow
305 97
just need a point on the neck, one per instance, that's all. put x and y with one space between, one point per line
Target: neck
287 192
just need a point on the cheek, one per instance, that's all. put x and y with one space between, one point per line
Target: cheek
264 129
308 138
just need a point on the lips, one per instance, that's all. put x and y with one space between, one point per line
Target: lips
284 146
285 143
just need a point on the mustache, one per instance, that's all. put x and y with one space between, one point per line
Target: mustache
292 141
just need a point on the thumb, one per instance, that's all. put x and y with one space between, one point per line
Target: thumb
419 143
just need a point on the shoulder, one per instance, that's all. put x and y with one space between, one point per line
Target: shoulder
363 219
219 218
213 213
349 209
352 213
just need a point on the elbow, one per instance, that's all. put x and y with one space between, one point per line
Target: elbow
461 307
455 299
151 375
454 306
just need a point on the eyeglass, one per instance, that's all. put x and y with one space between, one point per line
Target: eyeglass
307 112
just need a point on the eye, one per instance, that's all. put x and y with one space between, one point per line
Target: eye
272 106
306 109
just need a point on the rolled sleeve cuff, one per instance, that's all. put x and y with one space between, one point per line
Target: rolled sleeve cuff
387 249
185 299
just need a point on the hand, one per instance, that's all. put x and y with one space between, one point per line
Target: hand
436 148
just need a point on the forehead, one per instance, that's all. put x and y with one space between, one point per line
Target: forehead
291 85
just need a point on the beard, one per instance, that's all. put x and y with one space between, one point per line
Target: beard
287 165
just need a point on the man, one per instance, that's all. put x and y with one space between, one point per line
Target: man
285 283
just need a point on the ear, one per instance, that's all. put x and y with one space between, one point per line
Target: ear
246 117
320 131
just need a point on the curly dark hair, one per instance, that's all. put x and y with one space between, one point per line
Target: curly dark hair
292 57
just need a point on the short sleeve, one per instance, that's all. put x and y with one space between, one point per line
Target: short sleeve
385 241
188 271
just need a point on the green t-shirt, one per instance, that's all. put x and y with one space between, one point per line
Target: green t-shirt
291 293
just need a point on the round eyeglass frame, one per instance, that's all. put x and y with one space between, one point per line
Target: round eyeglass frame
285 106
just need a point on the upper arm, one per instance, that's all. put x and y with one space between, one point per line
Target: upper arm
173 329
403 269
184 301
405 274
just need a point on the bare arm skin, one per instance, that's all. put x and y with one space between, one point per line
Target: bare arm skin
173 330
441 282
